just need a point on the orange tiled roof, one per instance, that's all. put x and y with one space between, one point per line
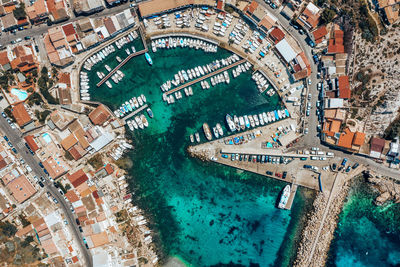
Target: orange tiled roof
319 34
69 141
346 139
359 139
21 188
344 87
21 115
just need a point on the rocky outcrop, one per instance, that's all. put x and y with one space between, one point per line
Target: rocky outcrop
388 189
203 154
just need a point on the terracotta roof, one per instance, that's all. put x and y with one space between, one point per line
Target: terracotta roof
9 21
21 115
64 77
319 34
24 231
346 139
49 246
267 23
68 29
77 178
250 8
69 141
21 188
71 196
336 42
344 87
220 4
277 35
377 144
4 58
99 115
56 168
37 11
109 25
359 139
109 169
31 142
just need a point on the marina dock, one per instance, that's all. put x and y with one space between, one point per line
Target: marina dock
124 119
123 62
206 76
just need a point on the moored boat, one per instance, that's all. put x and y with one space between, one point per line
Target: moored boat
215 131
144 120
150 112
230 122
197 135
246 121
219 128
284 197
191 138
207 131
148 58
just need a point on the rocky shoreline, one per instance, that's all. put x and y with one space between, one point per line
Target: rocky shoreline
311 229
388 189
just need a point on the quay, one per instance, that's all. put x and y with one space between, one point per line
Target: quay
145 50
124 119
206 76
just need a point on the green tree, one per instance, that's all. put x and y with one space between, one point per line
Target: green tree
19 12
328 15
27 241
8 229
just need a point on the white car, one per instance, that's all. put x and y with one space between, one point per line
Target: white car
28 168
315 148
309 81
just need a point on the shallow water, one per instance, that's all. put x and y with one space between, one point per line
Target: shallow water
366 235
205 213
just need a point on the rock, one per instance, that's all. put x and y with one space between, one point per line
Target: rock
380 200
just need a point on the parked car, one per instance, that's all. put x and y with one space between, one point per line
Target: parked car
6 138
41 164
284 174
269 173
41 184
4 115
14 150
278 175
315 148
355 165
344 162
77 221
348 169
55 200
334 167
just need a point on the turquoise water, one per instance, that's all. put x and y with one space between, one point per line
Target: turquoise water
21 95
204 213
367 235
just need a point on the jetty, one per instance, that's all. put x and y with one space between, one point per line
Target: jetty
206 76
123 62
133 113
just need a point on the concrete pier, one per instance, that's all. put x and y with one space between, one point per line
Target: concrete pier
206 76
133 113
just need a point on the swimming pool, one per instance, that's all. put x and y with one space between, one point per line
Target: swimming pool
46 137
22 95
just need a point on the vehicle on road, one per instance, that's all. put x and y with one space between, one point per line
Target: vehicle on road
6 138
27 37
4 115
41 164
10 145
14 150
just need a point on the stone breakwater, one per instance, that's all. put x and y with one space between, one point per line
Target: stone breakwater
204 153
310 232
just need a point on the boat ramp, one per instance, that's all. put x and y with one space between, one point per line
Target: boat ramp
211 74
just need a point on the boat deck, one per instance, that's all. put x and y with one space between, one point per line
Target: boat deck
206 76
133 113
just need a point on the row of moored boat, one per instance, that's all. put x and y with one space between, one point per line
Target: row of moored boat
139 121
84 83
126 39
130 106
173 42
262 83
117 153
98 57
219 28
197 72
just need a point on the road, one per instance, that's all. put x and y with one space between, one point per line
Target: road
37 30
15 137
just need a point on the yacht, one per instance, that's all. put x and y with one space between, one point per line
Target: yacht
207 131
219 128
143 98
236 121
242 123
252 123
144 120
108 84
140 101
215 131
191 138
230 122
139 122
135 102
149 112
284 197
130 125
135 125
148 58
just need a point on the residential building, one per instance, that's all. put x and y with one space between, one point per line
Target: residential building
23 59
21 188
8 22
390 9
58 50
99 115
335 44
21 115
37 12
320 34
344 87
87 7
309 18
376 147
277 35
58 11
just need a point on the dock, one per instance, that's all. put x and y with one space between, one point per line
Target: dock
293 190
206 76
123 62
130 115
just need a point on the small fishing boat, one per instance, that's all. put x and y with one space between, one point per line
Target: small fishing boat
197 135
191 138
148 58
207 131
144 120
149 112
